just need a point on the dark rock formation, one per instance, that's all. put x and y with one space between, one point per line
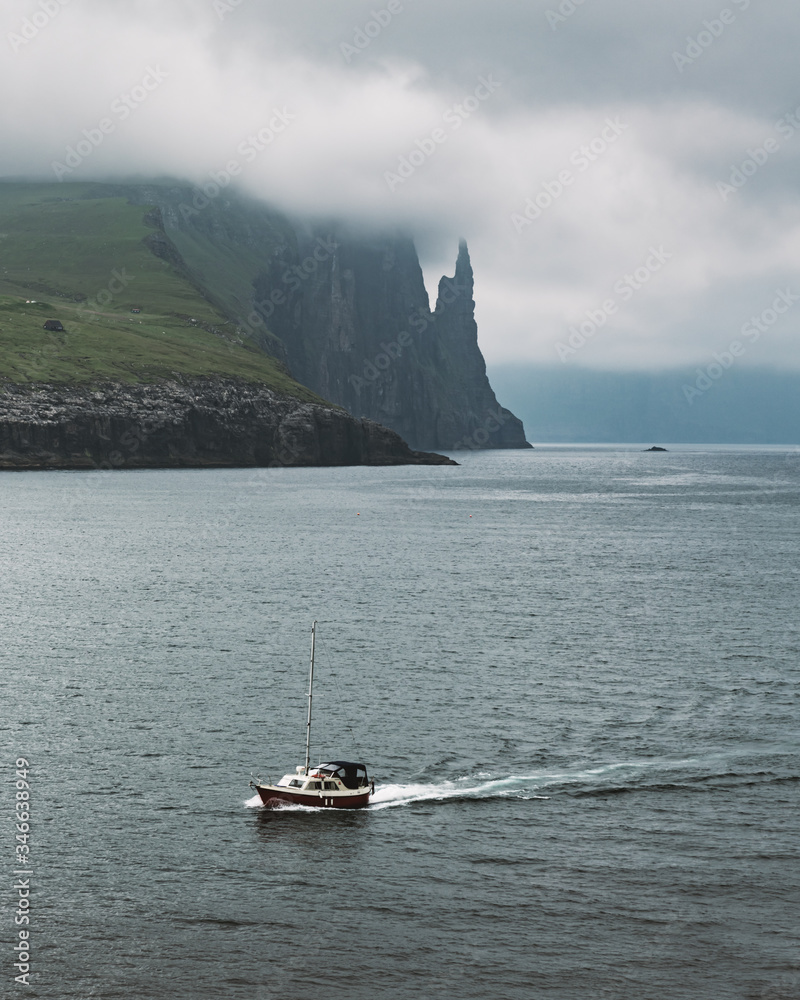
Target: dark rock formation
347 312
655 447
355 320
201 422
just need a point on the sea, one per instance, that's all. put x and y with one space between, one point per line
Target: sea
571 671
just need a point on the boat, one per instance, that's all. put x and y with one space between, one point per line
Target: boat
339 784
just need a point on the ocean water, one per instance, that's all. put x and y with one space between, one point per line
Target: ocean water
573 673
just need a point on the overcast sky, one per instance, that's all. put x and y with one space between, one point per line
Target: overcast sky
628 165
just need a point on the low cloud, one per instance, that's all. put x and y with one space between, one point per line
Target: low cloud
561 165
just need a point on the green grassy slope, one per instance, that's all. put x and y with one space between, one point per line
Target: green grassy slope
84 262
226 245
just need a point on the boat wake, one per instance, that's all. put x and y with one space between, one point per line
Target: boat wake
605 779
513 786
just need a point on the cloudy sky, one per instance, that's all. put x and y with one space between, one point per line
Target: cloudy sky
626 171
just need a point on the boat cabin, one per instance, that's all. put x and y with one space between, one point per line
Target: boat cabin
350 775
338 775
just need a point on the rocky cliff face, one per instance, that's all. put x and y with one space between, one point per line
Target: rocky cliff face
347 312
354 318
205 422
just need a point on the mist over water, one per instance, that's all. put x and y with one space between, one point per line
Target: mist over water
573 674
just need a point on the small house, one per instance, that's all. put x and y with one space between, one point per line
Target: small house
136 309
53 324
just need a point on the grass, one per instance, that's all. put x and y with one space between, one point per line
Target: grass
83 261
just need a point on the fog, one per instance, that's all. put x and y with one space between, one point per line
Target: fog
625 174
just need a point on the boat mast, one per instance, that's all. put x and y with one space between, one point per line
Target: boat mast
310 687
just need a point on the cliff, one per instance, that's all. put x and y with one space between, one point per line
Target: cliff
348 313
354 318
158 284
200 422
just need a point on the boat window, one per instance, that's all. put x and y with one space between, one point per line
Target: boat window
317 785
330 785
295 783
351 774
